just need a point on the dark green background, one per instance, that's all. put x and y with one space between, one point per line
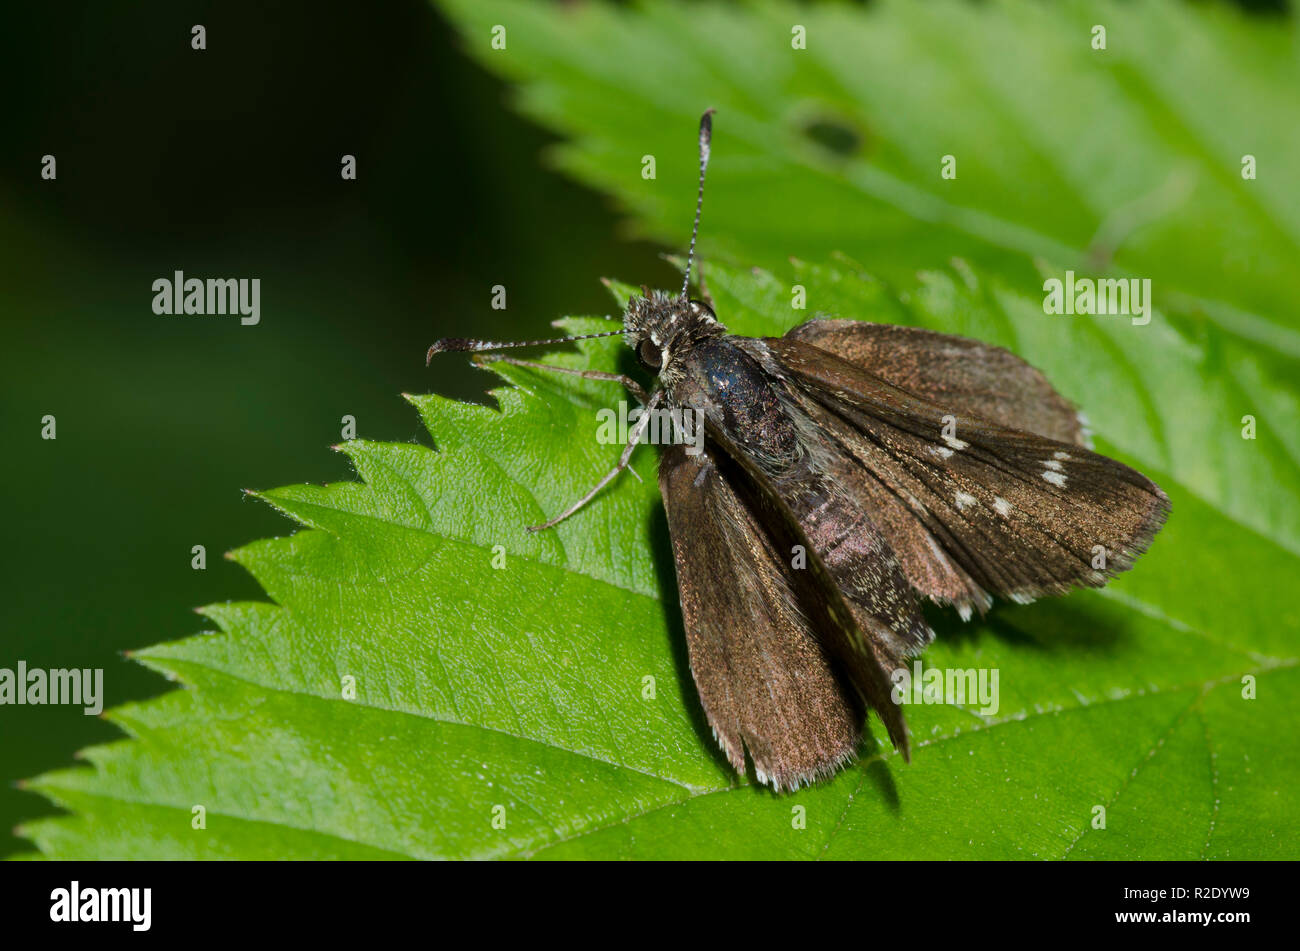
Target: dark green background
226 163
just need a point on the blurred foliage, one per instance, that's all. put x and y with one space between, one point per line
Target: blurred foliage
226 163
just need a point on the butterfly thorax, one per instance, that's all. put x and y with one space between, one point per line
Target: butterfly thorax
702 367
740 400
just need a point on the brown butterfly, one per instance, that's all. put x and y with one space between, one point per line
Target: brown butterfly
849 471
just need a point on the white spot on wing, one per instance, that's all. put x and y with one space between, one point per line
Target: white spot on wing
1061 455
940 452
964 500
1055 478
1053 465
1001 505
954 442
1085 433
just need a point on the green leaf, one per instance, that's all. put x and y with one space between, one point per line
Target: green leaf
523 686
520 692
1063 151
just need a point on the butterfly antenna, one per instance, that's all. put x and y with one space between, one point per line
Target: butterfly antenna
463 345
706 136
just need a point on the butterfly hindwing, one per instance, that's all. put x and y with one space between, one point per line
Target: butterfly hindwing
967 376
860 469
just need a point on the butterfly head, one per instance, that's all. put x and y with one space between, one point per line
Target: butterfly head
661 328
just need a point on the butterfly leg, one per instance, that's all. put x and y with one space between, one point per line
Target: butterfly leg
633 438
631 385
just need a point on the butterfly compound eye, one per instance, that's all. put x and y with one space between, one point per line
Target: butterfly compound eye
648 353
702 308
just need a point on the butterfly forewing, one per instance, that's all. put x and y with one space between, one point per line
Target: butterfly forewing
762 635
1020 514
